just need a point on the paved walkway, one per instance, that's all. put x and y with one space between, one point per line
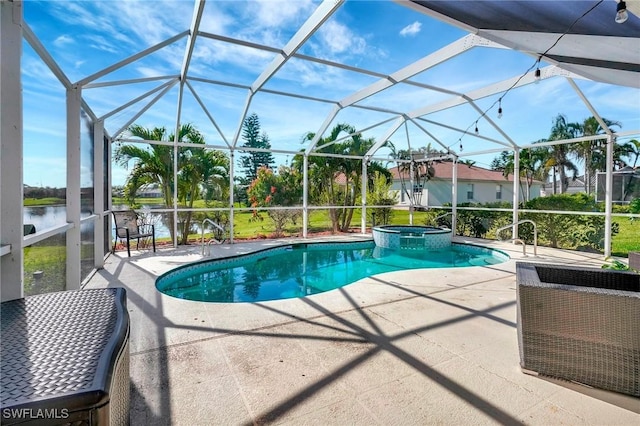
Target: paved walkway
415 347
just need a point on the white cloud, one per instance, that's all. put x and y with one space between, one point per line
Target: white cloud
277 13
338 38
411 30
63 40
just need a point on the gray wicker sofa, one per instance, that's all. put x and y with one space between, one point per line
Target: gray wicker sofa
580 324
64 359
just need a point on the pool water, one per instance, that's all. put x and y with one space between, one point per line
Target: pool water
305 269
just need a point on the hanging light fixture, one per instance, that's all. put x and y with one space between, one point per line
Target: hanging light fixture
477 131
537 73
500 108
621 12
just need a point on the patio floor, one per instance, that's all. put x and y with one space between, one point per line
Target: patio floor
416 347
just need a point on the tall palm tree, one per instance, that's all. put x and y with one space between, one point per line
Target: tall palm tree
585 150
559 155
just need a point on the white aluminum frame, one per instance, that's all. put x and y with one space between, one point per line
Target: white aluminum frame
14 29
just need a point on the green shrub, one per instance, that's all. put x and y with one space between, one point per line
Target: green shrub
480 223
379 194
582 232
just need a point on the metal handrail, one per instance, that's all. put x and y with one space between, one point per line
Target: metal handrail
453 215
520 241
516 239
215 225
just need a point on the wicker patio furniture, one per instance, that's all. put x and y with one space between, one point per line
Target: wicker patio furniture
580 324
65 359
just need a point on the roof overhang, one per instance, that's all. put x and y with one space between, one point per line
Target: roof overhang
579 36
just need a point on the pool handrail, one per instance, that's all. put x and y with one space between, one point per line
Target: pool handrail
518 240
215 225
453 215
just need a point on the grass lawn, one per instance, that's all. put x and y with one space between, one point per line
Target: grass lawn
51 261
246 226
142 201
30 202
627 239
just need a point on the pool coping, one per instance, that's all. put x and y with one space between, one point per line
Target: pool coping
259 254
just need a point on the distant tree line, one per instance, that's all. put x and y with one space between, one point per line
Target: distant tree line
46 192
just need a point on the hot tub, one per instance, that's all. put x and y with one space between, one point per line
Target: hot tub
411 237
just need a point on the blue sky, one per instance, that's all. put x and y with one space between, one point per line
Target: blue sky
382 36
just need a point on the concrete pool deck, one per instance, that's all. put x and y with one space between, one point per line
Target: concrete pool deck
414 347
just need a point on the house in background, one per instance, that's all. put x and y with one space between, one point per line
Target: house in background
475 185
625 184
574 186
150 191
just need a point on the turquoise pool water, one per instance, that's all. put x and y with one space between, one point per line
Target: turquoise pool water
304 269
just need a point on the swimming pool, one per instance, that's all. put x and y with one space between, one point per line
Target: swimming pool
300 270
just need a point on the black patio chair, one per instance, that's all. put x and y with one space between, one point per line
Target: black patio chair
129 226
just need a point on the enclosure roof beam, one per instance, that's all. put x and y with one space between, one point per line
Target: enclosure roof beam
432 136
484 92
206 111
359 131
491 122
595 114
323 128
383 140
145 108
44 54
456 129
423 64
131 59
315 21
191 38
129 81
139 98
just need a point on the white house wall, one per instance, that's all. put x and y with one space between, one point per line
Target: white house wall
438 193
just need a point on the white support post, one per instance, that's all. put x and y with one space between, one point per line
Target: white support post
411 193
608 197
98 193
516 192
11 136
73 188
109 177
363 218
231 194
176 155
454 197
174 202
305 195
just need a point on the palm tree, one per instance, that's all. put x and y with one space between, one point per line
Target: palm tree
422 171
558 159
154 164
202 171
585 150
324 171
532 167
620 151
635 151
